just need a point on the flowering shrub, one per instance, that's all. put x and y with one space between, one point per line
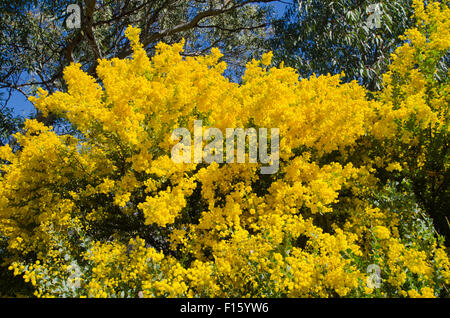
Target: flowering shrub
105 212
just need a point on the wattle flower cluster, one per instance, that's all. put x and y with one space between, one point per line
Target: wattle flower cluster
105 212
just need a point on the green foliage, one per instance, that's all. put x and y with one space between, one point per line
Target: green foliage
324 36
9 124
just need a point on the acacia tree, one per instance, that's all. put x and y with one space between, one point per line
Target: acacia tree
416 91
107 212
334 36
36 44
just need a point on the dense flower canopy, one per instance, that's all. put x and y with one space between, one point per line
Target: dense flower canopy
105 212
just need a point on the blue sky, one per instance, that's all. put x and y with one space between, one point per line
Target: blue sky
20 104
